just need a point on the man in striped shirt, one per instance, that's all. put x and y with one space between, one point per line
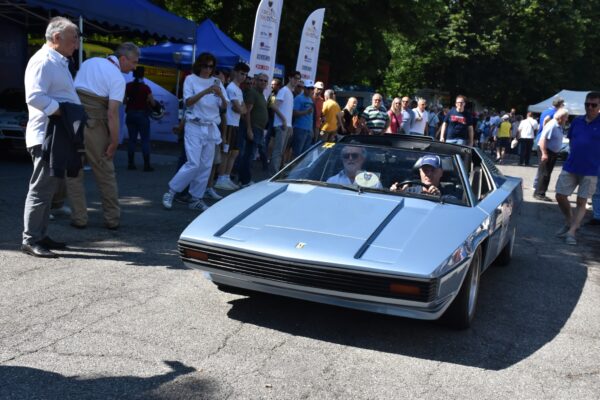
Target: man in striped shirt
375 116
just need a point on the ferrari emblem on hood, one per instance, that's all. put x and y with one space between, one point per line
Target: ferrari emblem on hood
300 245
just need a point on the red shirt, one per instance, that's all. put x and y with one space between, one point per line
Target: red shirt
136 95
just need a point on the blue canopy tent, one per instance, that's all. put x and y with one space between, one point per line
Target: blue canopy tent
208 38
131 15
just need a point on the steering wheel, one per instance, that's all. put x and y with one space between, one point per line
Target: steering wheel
413 182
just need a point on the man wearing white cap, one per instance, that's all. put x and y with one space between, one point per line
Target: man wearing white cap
430 171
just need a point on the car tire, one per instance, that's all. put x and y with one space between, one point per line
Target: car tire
505 256
461 312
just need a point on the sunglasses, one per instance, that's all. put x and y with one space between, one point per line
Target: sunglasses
354 156
591 105
211 66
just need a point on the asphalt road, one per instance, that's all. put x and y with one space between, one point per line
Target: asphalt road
119 316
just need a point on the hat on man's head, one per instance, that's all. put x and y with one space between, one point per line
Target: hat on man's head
308 83
319 85
505 117
430 159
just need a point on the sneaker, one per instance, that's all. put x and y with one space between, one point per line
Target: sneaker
231 184
570 239
211 194
562 232
167 200
225 184
63 211
543 198
198 204
183 198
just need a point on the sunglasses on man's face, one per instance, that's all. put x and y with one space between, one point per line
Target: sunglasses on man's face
591 105
354 156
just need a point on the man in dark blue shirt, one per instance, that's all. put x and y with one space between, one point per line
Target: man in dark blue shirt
458 124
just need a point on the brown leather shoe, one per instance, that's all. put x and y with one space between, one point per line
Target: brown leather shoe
74 225
37 250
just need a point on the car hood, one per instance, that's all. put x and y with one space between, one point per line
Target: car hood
336 226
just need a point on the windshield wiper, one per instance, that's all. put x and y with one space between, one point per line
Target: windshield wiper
354 188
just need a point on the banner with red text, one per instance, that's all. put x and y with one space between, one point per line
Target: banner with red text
308 54
264 40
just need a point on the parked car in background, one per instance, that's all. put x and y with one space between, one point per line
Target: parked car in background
310 234
13 119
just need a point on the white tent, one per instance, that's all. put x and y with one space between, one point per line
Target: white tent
573 102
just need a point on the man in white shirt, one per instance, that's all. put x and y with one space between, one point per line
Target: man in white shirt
282 123
236 107
526 134
101 87
420 124
48 82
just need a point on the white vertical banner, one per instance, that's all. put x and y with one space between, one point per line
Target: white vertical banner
264 39
308 53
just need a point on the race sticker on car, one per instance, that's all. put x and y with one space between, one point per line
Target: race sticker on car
328 145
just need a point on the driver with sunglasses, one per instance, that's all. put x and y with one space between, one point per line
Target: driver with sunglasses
353 158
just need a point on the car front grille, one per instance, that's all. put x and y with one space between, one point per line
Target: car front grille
306 274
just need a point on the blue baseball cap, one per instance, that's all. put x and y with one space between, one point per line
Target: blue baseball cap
430 159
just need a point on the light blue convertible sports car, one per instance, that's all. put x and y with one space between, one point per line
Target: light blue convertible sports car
392 224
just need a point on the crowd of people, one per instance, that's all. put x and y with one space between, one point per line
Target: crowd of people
229 122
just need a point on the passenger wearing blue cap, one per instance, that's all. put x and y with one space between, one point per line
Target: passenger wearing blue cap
430 170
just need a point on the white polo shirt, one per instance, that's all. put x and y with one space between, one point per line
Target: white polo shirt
47 83
285 101
102 77
421 118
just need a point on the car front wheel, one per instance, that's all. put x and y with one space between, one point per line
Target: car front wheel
461 312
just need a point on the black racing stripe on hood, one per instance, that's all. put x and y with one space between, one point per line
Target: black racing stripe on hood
250 210
378 230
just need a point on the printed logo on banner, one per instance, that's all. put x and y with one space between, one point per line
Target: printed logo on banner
266 34
307 58
264 46
268 14
262 67
306 68
263 57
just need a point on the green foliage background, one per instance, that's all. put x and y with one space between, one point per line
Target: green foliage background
501 52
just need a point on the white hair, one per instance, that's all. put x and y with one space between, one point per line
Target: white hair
561 112
127 49
328 93
58 25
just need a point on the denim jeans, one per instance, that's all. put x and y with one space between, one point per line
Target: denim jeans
138 122
300 141
247 151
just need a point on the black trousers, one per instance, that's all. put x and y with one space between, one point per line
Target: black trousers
525 146
544 172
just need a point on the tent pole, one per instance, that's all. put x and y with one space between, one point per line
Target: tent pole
177 87
80 40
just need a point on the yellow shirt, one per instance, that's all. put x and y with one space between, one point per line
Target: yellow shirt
330 112
504 129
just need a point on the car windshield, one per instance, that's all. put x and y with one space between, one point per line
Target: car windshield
378 169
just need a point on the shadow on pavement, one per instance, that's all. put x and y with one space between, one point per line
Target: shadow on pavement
32 383
521 308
